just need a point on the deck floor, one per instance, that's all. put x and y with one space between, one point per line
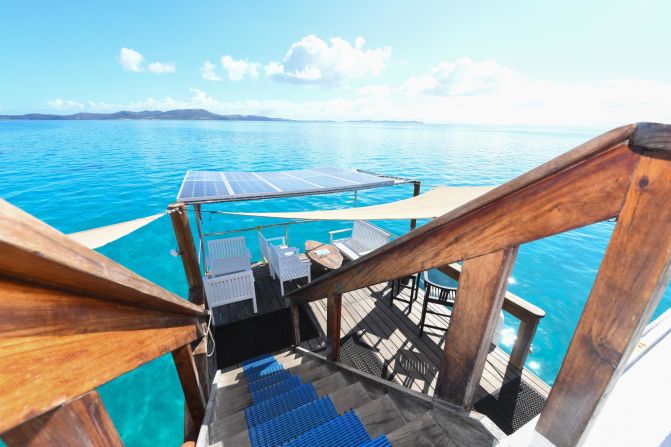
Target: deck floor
391 331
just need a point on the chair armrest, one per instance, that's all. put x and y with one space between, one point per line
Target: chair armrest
278 238
331 233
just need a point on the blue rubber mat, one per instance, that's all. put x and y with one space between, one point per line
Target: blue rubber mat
277 389
275 406
257 359
293 423
267 380
259 370
380 441
346 430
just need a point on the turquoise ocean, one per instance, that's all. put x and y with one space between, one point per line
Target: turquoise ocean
77 175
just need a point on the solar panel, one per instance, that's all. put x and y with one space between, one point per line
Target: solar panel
215 186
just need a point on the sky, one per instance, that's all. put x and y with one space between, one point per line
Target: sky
569 63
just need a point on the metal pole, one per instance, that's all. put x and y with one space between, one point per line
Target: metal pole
196 209
355 197
286 234
417 184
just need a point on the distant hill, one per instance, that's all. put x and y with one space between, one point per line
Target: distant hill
180 114
384 121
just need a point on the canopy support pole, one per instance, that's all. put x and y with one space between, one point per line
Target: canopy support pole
355 197
415 192
199 225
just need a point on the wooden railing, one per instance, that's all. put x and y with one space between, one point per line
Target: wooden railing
623 174
72 320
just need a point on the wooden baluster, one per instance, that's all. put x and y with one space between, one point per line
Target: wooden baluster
295 324
482 286
187 248
193 393
83 421
525 335
333 311
631 279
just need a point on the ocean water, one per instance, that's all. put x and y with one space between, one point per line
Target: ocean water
81 175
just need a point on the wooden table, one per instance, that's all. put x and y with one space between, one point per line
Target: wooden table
330 261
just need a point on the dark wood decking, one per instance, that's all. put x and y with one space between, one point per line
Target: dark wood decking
391 333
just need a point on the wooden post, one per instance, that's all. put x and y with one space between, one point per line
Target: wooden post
193 392
415 192
187 248
525 335
631 279
333 311
482 286
83 421
295 323
199 227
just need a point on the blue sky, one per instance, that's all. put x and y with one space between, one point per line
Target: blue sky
515 62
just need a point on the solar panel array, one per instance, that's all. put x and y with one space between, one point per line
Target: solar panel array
206 186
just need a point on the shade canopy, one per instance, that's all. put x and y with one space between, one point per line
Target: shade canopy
97 237
429 205
214 186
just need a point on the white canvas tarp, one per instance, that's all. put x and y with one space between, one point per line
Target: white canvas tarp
97 237
429 205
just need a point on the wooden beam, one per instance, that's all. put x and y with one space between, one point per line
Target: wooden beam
296 324
55 345
525 336
33 251
193 392
581 187
333 318
80 422
415 192
632 277
474 317
187 248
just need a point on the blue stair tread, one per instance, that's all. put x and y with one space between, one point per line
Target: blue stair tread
260 370
267 380
345 430
380 441
292 424
275 406
275 390
259 358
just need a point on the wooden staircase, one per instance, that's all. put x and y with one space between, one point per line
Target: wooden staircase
297 398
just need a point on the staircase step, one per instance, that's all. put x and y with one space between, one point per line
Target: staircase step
422 432
380 416
345 430
380 441
292 424
351 397
235 375
278 388
271 408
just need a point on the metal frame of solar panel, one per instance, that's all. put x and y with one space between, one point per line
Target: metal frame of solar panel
214 186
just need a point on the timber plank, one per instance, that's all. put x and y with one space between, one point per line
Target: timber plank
55 346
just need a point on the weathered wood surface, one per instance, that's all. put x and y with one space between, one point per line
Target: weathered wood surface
581 187
193 391
653 139
180 225
523 341
333 323
632 277
56 345
296 324
331 261
476 311
80 422
33 251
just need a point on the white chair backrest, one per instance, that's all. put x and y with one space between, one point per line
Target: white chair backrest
369 235
229 248
263 246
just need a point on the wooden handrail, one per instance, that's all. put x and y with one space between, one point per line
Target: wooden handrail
583 186
625 173
72 320
33 251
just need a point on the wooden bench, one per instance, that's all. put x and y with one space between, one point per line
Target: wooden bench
365 238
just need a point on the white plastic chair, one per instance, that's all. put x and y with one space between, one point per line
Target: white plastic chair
287 265
264 247
229 255
231 288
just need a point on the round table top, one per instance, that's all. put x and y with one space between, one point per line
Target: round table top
331 260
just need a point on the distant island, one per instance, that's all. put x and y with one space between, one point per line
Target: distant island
179 114
384 122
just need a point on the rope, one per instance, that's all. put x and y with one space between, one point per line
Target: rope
209 334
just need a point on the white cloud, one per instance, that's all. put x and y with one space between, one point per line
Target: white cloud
161 67
209 71
240 69
462 78
65 104
312 61
131 60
